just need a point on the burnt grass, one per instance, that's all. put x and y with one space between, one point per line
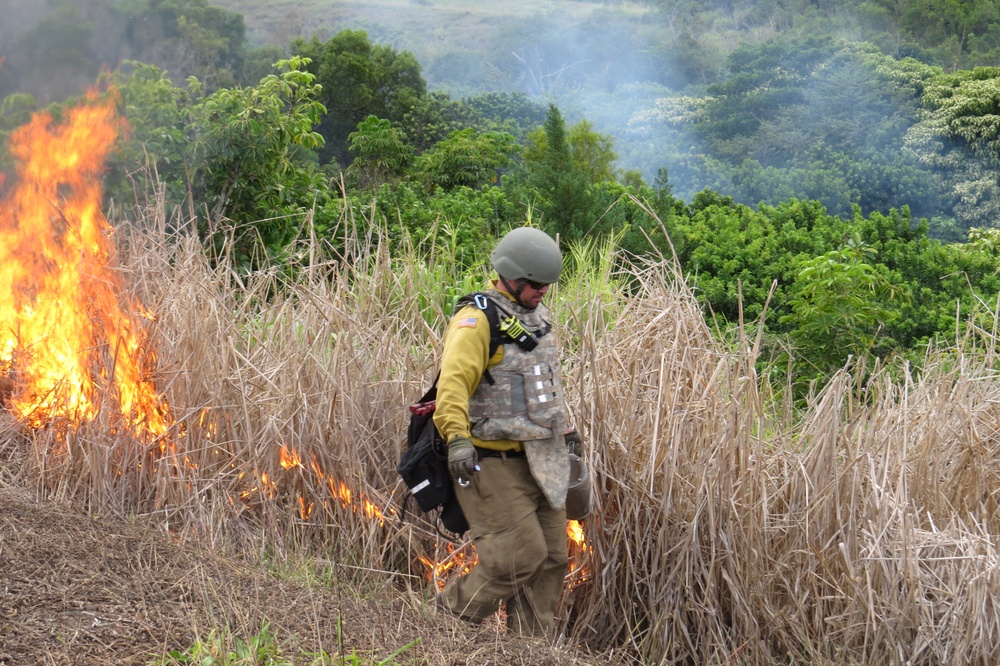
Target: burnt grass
96 589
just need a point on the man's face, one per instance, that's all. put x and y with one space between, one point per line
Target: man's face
531 293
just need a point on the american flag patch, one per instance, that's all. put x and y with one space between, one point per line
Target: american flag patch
468 322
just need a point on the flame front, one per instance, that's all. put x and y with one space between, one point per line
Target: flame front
449 561
289 459
64 329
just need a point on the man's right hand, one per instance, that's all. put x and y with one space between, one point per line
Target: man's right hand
463 461
574 442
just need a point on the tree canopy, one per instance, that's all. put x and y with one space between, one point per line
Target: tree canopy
819 181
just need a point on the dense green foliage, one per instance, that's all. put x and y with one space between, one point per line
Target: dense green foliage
359 79
236 154
815 184
874 285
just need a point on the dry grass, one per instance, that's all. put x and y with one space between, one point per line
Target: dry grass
860 531
140 547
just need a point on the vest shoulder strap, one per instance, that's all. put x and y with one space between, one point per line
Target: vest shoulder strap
489 308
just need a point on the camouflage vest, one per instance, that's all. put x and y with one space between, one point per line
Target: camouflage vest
525 402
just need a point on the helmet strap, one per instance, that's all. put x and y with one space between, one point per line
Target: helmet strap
516 293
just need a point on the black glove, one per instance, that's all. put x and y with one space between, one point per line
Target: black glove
574 443
463 461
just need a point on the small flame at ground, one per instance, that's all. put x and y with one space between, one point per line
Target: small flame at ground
450 561
290 459
66 328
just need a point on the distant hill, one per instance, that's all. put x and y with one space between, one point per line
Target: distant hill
533 47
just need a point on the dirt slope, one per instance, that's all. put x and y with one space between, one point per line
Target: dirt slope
80 589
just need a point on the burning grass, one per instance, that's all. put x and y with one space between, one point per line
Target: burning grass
729 526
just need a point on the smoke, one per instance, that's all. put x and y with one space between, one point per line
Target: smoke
57 49
611 65
606 63
52 50
18 17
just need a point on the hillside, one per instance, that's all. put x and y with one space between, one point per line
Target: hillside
515 45
606 63
423 26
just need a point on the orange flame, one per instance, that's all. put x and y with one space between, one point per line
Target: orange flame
289 459
579 555
65 336
449 561
574 530
452 561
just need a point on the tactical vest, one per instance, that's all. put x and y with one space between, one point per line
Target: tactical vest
525 400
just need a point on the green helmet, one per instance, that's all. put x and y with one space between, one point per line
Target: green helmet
528 253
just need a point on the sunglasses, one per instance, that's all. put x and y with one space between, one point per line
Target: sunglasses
534 285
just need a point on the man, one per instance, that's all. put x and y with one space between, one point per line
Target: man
505 422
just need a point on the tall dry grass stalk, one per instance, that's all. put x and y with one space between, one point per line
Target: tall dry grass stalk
860 531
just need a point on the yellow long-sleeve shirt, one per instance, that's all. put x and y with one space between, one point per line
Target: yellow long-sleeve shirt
463 362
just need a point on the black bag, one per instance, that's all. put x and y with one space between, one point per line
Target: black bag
424 466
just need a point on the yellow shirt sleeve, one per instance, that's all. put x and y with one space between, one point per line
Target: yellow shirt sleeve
465 358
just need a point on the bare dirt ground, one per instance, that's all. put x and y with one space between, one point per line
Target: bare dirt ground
82 589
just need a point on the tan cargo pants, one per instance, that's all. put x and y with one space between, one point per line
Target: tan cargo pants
521 544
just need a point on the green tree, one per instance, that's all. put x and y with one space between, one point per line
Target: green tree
245 145
467 220
635 231
436 115
359 79
381 154
241 160
840 305
591 152
153 155
186 38
466 159
259 62
560 184
734 253
952 31
764 81
828 125
515 113
960 138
